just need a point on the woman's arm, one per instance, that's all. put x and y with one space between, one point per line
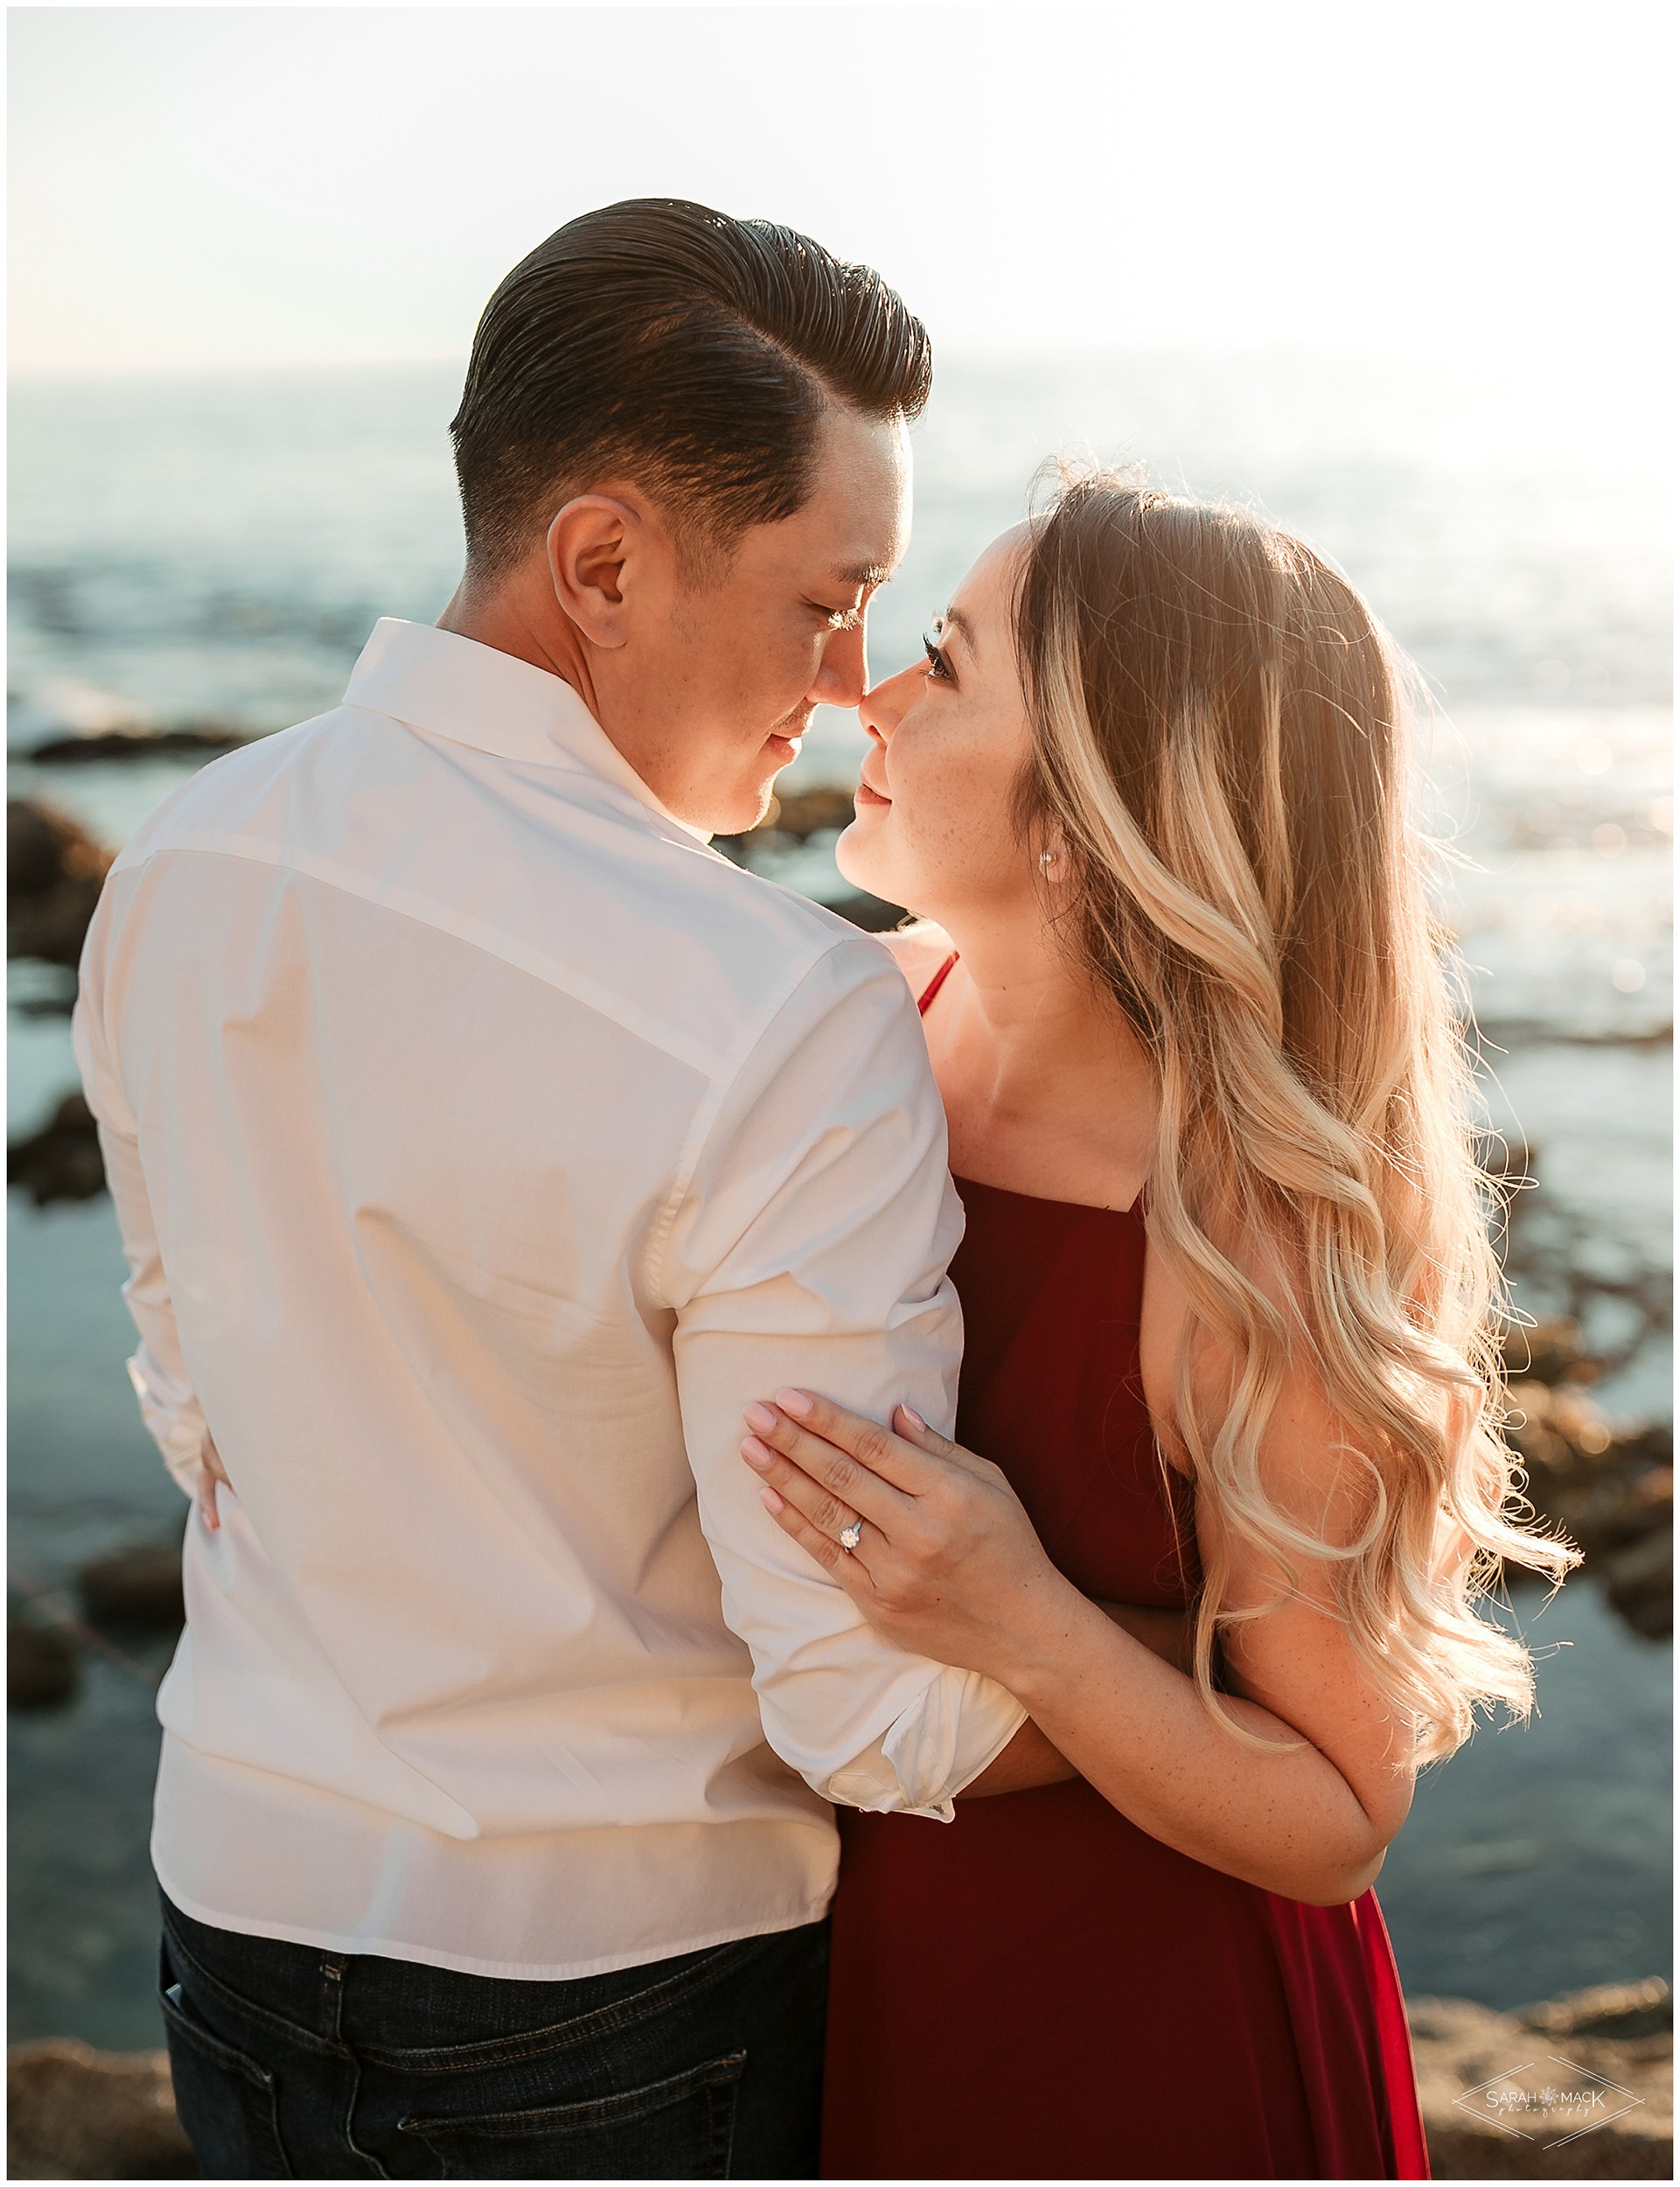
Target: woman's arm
1029 1760
948 1563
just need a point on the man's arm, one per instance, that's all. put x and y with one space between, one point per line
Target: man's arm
810 1245
168 1404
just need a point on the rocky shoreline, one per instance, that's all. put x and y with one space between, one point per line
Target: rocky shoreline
1580 2087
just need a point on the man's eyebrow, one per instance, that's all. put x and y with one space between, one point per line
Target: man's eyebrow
863 574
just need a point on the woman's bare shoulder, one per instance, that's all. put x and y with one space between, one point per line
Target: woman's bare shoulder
918 951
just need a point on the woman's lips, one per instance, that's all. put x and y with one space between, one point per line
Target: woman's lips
865 795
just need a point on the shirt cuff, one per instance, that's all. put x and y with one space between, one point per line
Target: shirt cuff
941 1743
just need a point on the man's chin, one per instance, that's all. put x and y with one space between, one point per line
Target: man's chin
740 813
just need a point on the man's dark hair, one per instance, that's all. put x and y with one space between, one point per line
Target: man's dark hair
692 352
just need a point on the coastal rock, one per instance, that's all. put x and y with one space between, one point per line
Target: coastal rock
1608 2008
1613 1494
54 872
41 1666
1579 2087
138 1586
140 743
61 1161
802 812
1551 1352
75 2112
790 820
869 912
1640 1583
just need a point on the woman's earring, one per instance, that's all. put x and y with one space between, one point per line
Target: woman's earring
1046 859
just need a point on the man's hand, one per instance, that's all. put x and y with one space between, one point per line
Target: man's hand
210 1472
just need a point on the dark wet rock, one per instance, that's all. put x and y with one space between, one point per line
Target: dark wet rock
1613 1495
139 1586
61 1161
75 2112
870 912
1506 2095
1551 1352
792 822
1640 1583
140 743
1618 2008
54 872
42 1669
802 813
1610 1492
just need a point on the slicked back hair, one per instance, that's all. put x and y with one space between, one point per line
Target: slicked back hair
692 353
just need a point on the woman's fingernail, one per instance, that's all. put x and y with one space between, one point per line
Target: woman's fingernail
769 1499
756 1454
919 1425
794 1402
759 1416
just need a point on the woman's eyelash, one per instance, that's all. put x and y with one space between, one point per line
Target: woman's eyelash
937 665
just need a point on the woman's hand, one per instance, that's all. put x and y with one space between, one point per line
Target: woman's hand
946 1560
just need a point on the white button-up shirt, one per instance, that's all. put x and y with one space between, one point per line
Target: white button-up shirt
481 1142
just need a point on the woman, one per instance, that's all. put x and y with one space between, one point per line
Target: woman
1227 1291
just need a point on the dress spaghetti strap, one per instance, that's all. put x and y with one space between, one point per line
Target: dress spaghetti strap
936 983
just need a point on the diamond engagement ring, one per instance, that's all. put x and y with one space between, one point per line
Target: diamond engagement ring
851 1536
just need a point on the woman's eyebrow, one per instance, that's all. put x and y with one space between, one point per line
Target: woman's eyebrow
953 618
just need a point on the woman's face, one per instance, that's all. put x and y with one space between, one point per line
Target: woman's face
948 738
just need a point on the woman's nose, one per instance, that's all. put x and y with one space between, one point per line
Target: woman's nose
881 709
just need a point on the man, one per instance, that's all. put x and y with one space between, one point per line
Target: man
481 1142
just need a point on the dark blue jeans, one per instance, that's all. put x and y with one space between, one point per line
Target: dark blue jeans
293 2063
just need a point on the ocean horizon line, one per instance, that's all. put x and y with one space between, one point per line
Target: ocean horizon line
1442 347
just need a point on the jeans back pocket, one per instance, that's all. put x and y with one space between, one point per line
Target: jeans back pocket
680 2128
225 2101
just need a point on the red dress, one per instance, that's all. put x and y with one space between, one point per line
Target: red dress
1040 1989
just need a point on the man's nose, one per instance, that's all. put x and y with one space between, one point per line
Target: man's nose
843 676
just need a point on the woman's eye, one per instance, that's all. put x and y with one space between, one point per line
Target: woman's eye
938 666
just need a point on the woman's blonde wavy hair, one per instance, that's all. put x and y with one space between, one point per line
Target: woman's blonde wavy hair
1220 740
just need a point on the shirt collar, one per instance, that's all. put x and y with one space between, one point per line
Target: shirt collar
436 681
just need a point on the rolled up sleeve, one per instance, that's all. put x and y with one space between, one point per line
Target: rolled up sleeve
809 1246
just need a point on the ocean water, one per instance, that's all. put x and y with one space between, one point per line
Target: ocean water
215 551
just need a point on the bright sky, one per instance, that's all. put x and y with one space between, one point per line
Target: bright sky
210 186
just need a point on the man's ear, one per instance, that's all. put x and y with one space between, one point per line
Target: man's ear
597 547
